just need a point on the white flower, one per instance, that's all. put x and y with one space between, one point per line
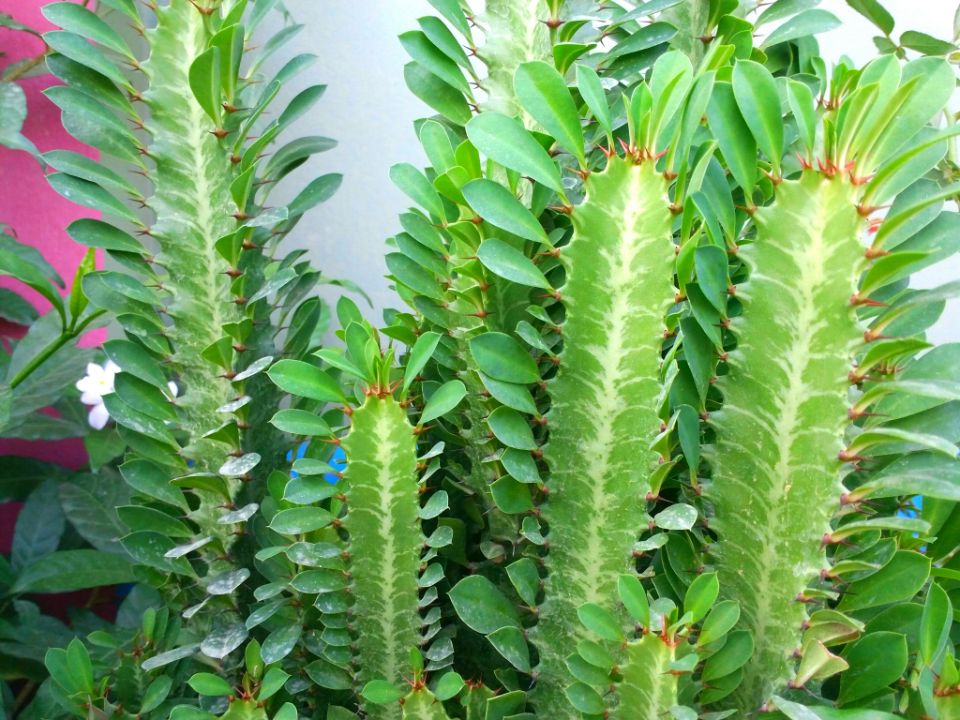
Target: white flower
99 382
94 385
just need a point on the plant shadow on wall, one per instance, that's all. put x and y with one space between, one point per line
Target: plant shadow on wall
658 433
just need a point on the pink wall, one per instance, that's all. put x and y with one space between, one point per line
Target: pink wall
36 213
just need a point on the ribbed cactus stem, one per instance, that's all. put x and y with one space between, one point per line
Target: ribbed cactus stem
776 473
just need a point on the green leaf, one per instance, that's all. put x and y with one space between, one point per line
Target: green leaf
876 13
512 645
209 684
14 103
505 141
78 19
152 481
525 579
721 619
381 692
78 49
230 41
876 660
317 191
91 195
145 518
132 358
544 94
271 684
68 570
453 12
600 622
16 309
96 233
733 136
898 580
800 99
436 143
588 83
440 96
90 506
280 643
449 686
499 207
782 9
509 263
503 358
300 422
515 396
731 657
419 47
634 598
156 692
439 34
86 168
314 582
935 624
413 275
647 37
678 516
40 524
585 699
700 596
756 94
809 22
305 380
443 400
416 186
512 429
205 83
419 355
25 272
481 606
510 496
296 521
926 44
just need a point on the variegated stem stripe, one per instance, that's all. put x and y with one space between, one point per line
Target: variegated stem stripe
385 543
605 396
648 689
776 472
422 705
193 205
516 32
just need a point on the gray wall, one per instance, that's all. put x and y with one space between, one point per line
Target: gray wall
368 109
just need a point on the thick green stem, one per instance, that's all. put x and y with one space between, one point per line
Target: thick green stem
516 32
605 399
385 543
776 473
192 202
648 689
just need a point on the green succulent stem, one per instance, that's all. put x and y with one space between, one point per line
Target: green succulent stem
690 18
192 202
385 542
51 349
421 704
776 473
516 32
649 688
605 400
